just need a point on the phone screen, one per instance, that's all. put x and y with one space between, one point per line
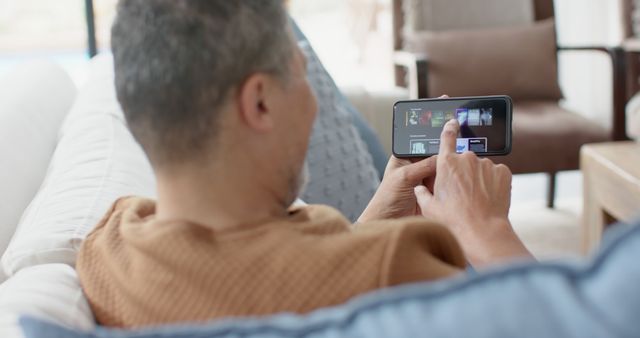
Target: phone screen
485 125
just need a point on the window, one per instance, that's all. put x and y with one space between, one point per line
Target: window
353 38
53 30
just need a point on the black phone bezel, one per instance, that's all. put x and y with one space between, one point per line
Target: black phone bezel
508 123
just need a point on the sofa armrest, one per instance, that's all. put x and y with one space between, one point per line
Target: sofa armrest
35 98
618 64
415 67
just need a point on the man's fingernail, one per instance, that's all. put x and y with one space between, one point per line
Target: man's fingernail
419 188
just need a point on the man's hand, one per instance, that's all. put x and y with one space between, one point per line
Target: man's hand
395 197
472 196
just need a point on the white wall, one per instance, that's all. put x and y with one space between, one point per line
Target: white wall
586 77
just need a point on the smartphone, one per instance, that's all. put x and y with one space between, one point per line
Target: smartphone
485 125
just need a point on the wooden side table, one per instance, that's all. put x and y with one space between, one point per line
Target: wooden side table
611 187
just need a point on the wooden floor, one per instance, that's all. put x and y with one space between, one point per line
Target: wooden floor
548 233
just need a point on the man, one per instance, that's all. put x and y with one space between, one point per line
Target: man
216 94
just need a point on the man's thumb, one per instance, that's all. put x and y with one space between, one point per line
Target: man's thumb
423 196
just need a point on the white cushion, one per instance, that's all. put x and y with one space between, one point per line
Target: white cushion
50 292
633 117
96 162
34 99
375 105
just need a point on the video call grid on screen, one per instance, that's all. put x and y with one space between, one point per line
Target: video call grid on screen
418 125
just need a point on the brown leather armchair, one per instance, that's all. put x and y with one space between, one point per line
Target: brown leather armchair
546 137
630 13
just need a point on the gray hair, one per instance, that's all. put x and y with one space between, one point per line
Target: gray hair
176 62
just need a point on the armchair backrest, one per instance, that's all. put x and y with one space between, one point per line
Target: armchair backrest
478 47
413 16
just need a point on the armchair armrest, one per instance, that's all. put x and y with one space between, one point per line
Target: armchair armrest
631 46
584 48
618 63
414 66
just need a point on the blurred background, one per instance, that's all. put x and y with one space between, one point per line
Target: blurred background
353 39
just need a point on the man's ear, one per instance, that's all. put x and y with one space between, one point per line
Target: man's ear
254 102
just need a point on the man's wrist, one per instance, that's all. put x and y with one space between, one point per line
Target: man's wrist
372 213
366 215
496 242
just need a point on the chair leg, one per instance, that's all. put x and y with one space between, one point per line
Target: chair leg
551 190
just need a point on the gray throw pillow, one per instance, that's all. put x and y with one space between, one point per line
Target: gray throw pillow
341 169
